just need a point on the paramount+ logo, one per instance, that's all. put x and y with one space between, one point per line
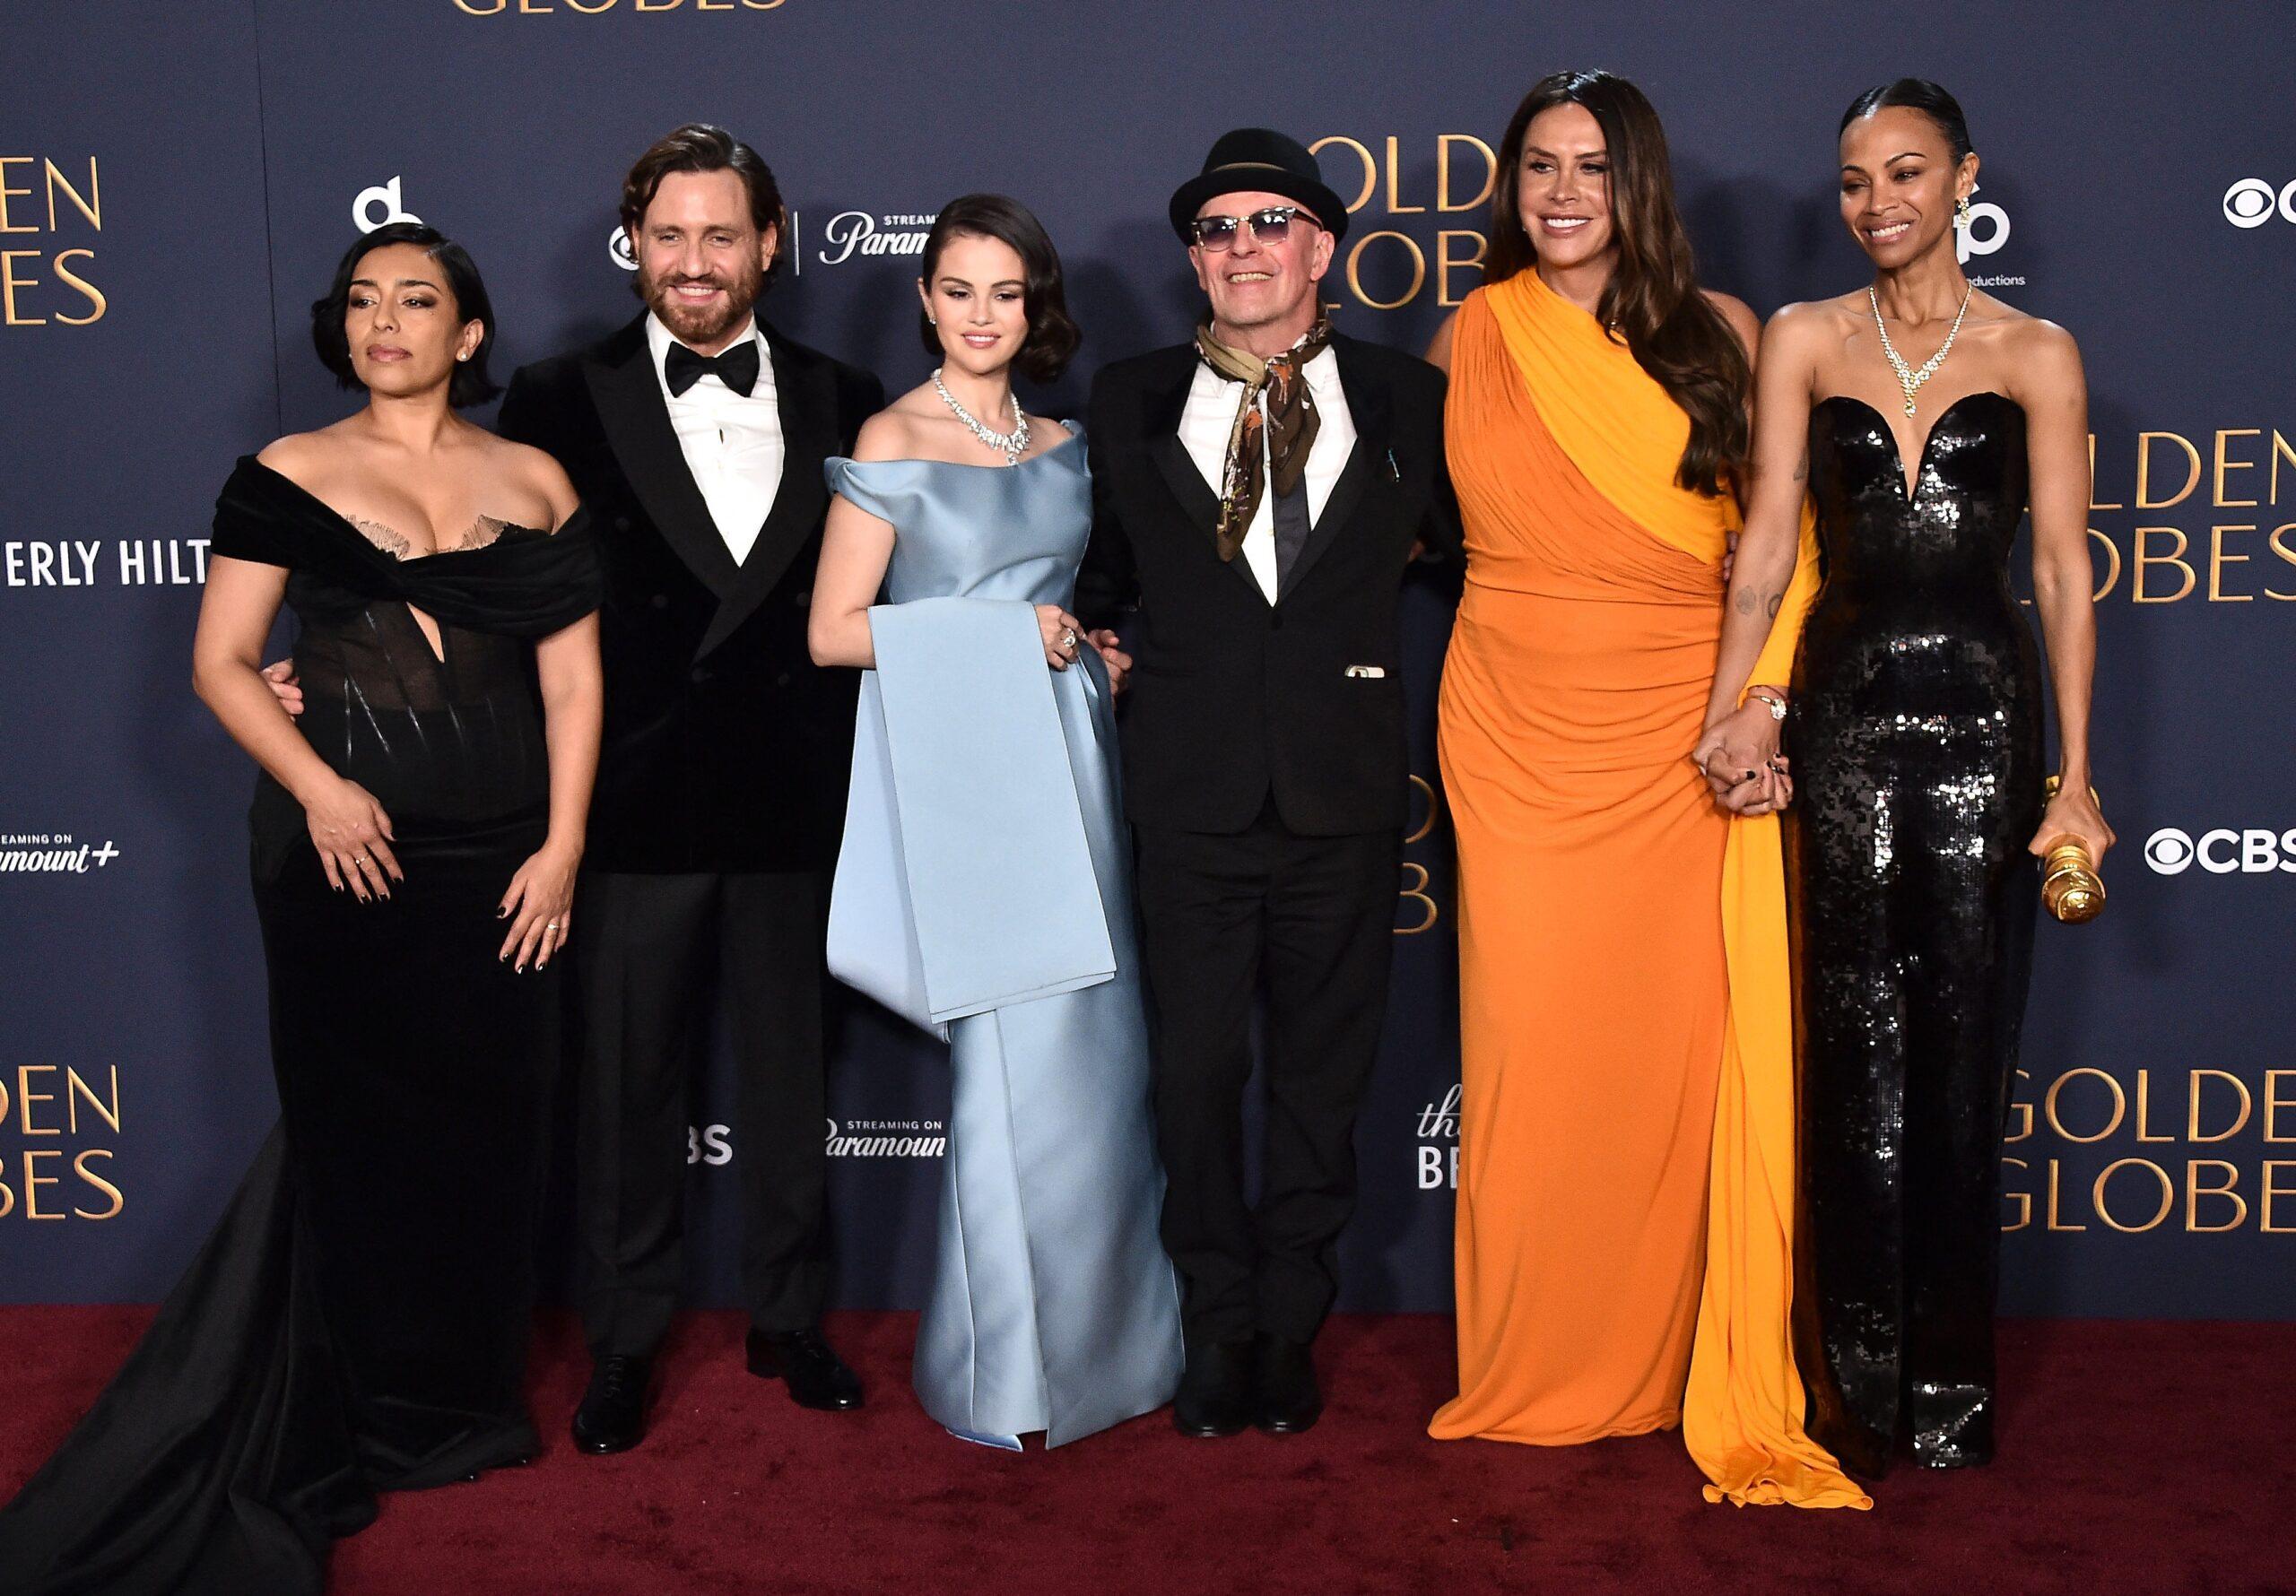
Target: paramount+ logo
2221 851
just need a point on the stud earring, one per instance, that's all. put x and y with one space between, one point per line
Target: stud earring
932 320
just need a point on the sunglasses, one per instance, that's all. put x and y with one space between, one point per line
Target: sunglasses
1271 226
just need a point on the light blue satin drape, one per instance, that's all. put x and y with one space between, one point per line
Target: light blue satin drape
963 825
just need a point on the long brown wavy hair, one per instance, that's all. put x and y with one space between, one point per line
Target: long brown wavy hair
1652 302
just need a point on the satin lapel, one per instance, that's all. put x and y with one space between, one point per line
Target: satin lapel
1367 407
805 396
1198 503
629 397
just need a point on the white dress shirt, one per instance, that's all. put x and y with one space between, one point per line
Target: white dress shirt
732 442
1210 415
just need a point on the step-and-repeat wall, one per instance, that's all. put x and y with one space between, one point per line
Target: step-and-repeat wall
176 182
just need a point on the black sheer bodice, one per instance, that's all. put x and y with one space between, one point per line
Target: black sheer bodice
1917 742
445 736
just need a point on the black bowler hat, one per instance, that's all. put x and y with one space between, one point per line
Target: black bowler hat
1255 160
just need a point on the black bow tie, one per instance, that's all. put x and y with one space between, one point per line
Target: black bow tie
736 368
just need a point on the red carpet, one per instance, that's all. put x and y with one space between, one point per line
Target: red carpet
2148 1458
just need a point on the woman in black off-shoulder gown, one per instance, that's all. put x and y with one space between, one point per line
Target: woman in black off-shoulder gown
358 1320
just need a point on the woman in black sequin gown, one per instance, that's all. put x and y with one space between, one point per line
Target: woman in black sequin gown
1917 748
358 1320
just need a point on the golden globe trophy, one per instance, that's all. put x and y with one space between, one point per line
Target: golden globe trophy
2071 888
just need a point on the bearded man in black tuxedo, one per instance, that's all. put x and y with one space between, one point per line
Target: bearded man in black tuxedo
696 435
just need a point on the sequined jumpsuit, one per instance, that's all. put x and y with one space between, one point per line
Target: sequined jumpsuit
1916 746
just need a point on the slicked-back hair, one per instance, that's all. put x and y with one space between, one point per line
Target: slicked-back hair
699 147
1916 94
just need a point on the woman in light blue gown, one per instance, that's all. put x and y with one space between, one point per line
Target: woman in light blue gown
984 890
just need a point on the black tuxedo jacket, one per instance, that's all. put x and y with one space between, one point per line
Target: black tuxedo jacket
726 749
1232 698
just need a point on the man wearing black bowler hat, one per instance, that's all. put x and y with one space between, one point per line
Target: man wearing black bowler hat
1258 493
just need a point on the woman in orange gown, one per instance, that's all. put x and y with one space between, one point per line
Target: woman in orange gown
1626 1173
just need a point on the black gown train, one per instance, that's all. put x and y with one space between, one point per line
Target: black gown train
1917 744
358 1320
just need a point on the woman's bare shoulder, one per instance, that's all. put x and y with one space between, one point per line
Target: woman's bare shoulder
303 456
889 435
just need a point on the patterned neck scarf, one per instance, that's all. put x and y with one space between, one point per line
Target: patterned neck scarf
1288 428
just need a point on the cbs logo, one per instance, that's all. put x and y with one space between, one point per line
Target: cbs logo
2222 852
2250 203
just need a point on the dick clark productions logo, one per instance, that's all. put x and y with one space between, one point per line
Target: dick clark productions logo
381 206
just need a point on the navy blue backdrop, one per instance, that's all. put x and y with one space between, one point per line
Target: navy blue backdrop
177 181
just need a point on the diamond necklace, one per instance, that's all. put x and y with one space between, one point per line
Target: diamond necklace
1011 445
1909 381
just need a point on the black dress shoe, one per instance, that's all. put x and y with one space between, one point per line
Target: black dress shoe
612 1414
1283 1379
817 1377
1215 1394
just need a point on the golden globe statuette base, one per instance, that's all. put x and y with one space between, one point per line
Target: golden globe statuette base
2071 888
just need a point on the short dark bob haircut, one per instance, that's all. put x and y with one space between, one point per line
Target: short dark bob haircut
1916 94
698 147
1053 336
471 385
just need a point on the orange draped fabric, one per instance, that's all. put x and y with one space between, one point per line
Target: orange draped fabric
1626 1180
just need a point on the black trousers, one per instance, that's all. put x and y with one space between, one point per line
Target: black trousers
650 950
1314 918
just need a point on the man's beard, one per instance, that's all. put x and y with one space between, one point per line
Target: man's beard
701 324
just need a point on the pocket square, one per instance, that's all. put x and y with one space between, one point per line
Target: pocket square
1373 672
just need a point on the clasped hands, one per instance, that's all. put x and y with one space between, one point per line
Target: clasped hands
1063 632
1739 759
